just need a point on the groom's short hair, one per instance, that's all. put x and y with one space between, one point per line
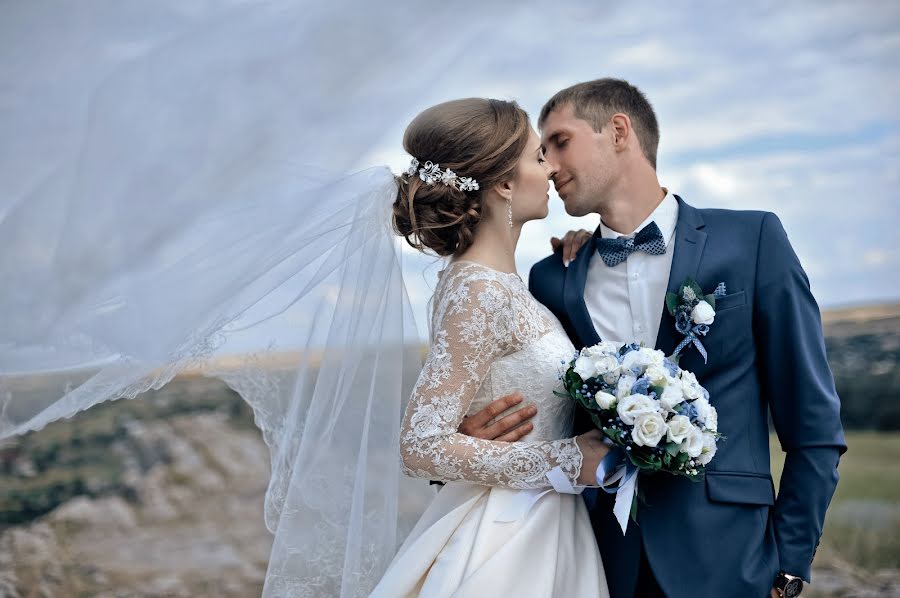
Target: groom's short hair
597 101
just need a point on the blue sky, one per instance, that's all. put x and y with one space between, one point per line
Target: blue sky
762 105
788 107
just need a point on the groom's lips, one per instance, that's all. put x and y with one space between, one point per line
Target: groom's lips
559 187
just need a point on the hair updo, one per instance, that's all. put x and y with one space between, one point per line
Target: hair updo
475 137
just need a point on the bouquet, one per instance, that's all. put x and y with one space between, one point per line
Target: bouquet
655 415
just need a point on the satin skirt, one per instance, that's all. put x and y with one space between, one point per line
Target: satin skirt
459 549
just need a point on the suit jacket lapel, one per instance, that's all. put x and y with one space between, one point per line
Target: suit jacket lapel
690 240
573 295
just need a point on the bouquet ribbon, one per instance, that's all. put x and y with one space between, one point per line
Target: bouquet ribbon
618 475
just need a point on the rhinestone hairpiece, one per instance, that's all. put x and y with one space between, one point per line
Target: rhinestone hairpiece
431 174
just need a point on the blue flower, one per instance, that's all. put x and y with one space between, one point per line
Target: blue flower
671 367
688 409
683 321
641 387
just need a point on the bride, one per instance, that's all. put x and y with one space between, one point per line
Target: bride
197 215
477 175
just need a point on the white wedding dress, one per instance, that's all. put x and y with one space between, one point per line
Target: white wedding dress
490 338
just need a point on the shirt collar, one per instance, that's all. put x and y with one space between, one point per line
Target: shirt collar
665 215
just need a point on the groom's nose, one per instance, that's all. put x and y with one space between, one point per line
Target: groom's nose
552 166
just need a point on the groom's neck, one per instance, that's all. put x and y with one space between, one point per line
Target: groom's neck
633 200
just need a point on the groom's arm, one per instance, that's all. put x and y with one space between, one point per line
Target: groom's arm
799 387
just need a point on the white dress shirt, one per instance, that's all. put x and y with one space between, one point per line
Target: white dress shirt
626 301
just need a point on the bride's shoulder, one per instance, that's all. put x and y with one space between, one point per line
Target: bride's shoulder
468 273
464 283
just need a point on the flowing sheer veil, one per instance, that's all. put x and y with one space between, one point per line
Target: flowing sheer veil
196 206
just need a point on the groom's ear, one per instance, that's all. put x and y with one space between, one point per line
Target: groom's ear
620 127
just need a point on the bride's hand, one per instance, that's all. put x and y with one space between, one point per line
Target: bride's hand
593 451
570 243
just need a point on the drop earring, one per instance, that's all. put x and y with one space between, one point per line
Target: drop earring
509 211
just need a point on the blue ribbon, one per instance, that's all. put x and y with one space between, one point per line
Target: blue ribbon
614 460
623 483
691 336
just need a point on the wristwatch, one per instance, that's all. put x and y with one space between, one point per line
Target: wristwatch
788 586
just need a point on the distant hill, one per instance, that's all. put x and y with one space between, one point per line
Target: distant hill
863 345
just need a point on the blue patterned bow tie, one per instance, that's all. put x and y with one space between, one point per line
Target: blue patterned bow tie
615 251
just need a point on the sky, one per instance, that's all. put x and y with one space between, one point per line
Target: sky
763 105
785 107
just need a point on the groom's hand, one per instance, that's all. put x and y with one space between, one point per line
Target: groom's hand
509 428
570 244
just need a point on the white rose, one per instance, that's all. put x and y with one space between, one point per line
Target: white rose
709 448
693 444
584 367
605 364
623 388
648 429
633 406
679 428
602 348
712 420
605 400
640 358
703 407
657 357
671 396
657 372
608 347
703 313
690 387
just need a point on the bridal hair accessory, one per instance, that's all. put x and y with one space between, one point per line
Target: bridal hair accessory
431 173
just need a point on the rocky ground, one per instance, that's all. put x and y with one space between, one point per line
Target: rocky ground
191 524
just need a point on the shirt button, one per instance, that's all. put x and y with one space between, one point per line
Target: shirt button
634 276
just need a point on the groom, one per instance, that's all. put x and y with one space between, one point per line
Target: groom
726 535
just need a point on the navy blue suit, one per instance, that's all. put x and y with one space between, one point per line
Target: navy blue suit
727 535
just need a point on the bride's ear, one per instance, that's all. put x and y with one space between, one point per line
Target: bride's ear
504 190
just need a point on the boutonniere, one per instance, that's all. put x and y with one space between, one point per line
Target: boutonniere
694 313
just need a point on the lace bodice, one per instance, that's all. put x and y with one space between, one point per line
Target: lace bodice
489 338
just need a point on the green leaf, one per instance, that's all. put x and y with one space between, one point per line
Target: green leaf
671 302
694 287
711 299
673 448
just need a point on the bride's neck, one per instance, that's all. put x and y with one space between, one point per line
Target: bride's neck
494 246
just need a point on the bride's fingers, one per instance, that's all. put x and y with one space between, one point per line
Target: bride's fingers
573 241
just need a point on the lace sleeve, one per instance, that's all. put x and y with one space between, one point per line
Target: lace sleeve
474 324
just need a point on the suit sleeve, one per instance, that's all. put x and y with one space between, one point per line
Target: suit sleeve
799 387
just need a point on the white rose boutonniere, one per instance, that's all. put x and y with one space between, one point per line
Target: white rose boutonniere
703 313
694 313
